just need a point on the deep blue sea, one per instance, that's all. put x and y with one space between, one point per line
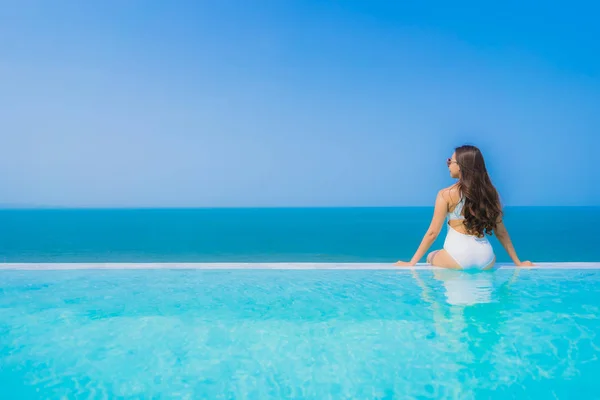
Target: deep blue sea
542 234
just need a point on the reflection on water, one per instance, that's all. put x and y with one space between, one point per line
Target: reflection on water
462 288
471 312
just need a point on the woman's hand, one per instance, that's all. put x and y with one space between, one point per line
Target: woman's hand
404 264
525 264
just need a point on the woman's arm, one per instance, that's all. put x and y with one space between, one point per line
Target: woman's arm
439 216
504 238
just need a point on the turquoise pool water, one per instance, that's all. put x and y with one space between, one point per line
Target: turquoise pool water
261 334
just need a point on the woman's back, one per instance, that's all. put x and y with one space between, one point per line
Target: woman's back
456 203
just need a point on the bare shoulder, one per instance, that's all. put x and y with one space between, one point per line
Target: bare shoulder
451 194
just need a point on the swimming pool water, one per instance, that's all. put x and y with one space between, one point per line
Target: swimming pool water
260 334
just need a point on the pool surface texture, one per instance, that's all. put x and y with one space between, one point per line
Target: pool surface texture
311 331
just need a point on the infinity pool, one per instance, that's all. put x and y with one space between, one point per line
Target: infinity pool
311 334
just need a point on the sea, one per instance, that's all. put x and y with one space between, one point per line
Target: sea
380 235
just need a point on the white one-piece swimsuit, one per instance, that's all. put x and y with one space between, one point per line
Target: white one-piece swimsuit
469 251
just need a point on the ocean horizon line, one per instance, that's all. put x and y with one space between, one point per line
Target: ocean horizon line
133 208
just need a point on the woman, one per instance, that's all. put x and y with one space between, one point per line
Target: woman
472 207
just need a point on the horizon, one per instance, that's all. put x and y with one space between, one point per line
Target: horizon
315 207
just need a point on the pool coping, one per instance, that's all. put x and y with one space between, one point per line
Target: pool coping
260 266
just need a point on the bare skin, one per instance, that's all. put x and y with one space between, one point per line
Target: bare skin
446 200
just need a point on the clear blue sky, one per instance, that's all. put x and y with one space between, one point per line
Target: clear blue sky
295 103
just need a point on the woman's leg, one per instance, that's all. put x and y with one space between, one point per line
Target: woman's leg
431 255
441 258
490 265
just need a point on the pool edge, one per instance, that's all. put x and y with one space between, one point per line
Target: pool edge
266 265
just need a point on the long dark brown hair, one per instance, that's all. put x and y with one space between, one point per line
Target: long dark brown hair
482 203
